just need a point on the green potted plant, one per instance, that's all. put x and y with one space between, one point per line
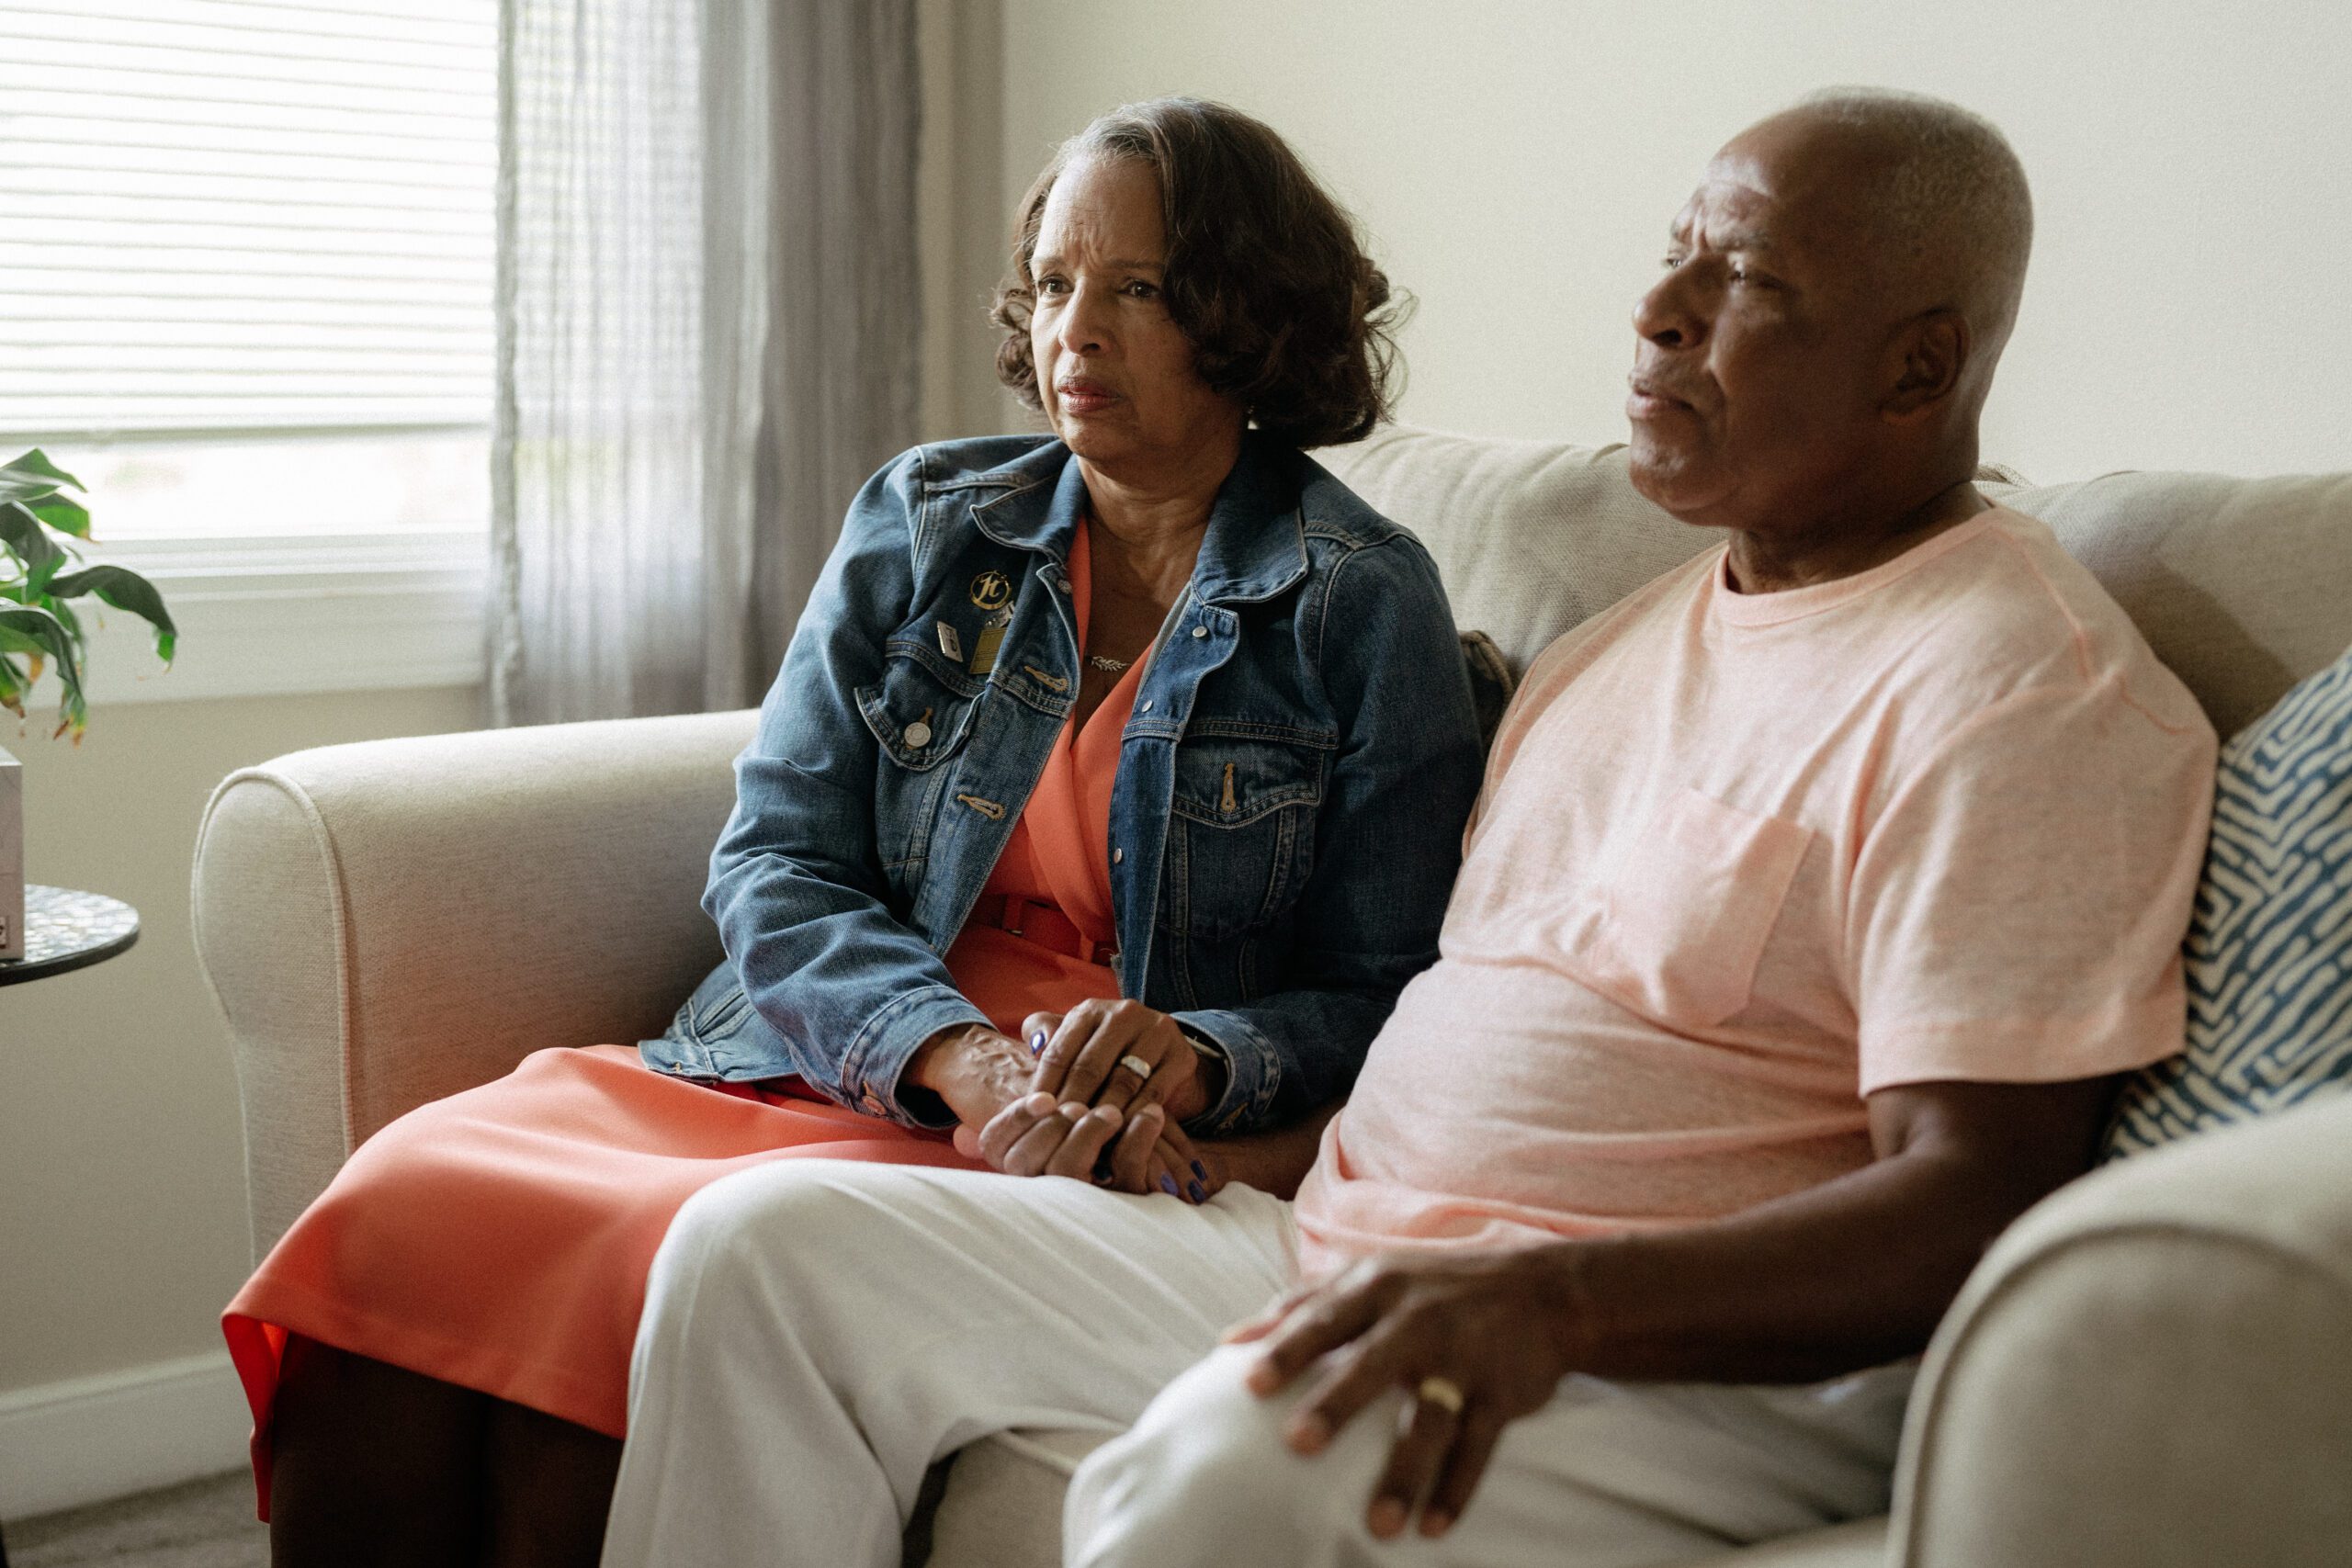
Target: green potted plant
42 572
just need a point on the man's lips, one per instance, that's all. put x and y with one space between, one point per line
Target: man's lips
1649 400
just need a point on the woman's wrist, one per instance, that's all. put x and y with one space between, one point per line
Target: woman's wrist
971 1066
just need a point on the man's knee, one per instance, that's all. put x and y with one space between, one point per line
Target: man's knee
1204 1475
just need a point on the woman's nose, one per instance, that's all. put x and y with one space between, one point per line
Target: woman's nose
1081 328
1668 316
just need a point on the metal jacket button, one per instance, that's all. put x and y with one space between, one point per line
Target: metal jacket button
918 734
1200 631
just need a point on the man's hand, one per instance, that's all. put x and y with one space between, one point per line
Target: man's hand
1091 1053
1476 1341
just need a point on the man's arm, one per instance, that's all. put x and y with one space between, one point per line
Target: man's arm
1848 1274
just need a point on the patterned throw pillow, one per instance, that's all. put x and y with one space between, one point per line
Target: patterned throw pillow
2269 951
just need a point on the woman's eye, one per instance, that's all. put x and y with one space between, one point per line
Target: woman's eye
1142 290
1052 285
1669 262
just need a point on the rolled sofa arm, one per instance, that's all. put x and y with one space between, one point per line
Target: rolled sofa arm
2152 1368
388 923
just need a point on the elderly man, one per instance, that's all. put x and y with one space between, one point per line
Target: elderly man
1817 894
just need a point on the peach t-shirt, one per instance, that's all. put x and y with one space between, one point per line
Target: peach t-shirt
1743 859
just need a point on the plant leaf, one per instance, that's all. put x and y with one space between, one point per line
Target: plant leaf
37 462
50 634
124 590
14 684
26 541
32 476
65 516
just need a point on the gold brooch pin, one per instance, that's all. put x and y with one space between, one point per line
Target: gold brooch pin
991 591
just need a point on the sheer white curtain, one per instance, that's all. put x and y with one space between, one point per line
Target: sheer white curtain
708 334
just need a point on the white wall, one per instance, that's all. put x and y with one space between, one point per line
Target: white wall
1518 163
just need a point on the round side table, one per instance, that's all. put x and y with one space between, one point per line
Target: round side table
65 931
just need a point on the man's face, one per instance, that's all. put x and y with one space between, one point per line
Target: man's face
1755 385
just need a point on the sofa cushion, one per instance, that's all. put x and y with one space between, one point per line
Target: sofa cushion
2238 584
2269 952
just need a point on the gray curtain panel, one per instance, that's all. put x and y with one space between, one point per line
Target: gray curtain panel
708 333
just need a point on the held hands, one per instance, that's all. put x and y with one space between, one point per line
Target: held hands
1096 1096
1477 1342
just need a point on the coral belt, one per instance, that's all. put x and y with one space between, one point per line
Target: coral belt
1045 925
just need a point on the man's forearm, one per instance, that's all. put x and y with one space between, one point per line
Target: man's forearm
1848 1274
1274 1162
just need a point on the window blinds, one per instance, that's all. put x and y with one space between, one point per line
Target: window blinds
233 216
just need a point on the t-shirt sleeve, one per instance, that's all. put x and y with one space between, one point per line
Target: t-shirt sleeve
2017 908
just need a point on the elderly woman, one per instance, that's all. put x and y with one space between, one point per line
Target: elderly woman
1124 766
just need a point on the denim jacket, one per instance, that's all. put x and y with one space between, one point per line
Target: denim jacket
1285 820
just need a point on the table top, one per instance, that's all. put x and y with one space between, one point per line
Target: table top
66 930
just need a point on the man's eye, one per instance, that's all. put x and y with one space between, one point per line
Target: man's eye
1142 290
1669 262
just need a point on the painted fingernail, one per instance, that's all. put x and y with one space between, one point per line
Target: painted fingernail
1387 1518
1200 1170
1200 1193
1038 1043
1168 1185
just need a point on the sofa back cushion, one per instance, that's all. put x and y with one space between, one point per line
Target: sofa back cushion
2243 586
2268 959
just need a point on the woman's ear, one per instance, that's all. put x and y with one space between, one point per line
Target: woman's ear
1930 354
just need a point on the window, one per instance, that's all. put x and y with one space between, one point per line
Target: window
247 256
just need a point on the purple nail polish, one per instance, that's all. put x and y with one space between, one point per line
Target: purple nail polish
1038 1043
1168 1185
1200 1170
1200 1193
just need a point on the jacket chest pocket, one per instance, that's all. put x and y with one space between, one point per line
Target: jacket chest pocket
922 716
1677 922
1242 832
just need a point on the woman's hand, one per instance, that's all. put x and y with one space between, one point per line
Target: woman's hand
1038 1135
976 1070
1091 1055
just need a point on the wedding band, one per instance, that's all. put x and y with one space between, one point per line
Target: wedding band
1137 1066
1444 1392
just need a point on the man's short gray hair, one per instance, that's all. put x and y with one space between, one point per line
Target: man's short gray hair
1955 188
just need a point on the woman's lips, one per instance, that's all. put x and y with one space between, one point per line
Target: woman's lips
1084 397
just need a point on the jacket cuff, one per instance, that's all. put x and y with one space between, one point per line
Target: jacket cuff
871 1069
1253 1073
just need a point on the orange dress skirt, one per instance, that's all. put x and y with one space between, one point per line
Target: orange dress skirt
499 1239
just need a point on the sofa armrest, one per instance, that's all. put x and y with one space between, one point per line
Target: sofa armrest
386 924
2152 1367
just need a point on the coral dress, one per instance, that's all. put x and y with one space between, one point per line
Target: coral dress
499 1239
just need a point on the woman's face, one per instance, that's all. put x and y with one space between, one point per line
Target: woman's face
1115 372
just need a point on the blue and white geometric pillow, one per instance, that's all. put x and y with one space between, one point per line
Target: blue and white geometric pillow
2269 950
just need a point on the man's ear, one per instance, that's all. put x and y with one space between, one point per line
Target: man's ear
1928 356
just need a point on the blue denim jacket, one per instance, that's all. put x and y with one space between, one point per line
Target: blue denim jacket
1285 822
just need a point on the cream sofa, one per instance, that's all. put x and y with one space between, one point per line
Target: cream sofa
2152 1368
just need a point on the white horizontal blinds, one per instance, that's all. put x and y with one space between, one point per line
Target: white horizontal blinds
242 215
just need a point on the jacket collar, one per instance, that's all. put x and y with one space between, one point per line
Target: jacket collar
1256 545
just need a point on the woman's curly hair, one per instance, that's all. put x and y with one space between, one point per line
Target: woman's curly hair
1265 272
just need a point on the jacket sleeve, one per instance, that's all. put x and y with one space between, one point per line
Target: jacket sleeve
797 887
1389 841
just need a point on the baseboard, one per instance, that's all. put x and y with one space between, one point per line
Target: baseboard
88 1439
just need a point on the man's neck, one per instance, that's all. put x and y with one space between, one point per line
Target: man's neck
1844 544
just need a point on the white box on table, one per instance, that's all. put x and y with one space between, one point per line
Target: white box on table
12 857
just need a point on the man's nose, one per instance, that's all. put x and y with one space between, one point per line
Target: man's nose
1668 316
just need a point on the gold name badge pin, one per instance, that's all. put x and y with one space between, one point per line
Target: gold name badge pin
991 591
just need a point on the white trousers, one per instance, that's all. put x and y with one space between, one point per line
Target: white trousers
817 1332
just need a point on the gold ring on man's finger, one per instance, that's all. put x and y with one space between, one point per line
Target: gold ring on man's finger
1137 1066
1444 1392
